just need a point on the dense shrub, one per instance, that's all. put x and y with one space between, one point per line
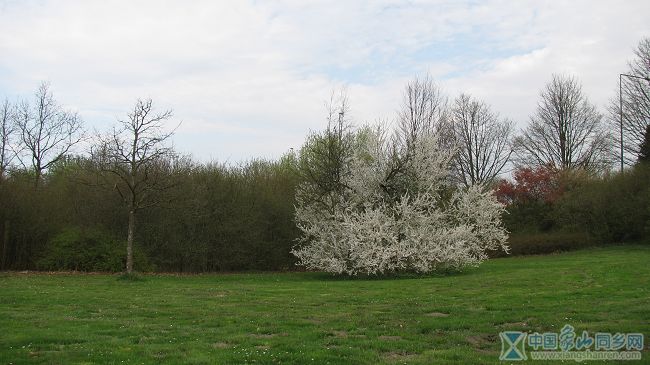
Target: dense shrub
533 198
530 197
216 217
612 209
545 242
560 210
225 218
87 250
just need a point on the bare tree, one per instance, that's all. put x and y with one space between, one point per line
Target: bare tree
644 150
423 113
482 139
566 131
7 129
47 132
634 102
424 109
136 154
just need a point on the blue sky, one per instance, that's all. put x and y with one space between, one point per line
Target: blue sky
249 79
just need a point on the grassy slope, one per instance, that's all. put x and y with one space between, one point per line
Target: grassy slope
313 318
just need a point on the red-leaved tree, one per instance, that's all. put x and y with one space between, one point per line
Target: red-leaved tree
531 184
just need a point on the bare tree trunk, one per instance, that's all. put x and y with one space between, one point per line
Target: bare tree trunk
129 242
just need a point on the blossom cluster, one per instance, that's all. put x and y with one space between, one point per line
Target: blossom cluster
397 211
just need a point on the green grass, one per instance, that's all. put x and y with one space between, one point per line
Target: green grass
304 318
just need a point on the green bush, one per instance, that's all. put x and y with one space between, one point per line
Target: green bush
590 210
535 216
543 243
612 209
88 250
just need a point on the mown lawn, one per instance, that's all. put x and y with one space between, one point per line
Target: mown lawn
304 318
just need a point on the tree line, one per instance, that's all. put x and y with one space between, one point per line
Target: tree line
132 201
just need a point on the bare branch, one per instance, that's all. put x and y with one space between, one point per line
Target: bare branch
47 132
7 131
482 139
634 102
135 154
566 131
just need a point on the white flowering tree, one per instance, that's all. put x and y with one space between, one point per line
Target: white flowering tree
394 208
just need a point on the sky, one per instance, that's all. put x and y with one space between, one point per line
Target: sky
249 79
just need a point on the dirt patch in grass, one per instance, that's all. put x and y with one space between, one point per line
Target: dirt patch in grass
263 347
219 294
437 314
268 335
399 356
514 325
159 355
263 335
221 345
483 343
344 334
390 338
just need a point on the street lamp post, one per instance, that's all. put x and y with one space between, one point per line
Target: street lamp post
620 105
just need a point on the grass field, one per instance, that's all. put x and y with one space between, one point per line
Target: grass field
305 318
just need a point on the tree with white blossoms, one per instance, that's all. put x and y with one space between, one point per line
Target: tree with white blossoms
395 207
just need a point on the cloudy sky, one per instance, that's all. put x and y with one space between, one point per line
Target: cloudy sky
249 78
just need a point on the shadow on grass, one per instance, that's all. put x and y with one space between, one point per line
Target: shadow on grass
131 277
324 276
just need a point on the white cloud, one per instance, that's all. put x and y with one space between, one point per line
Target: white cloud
249 79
